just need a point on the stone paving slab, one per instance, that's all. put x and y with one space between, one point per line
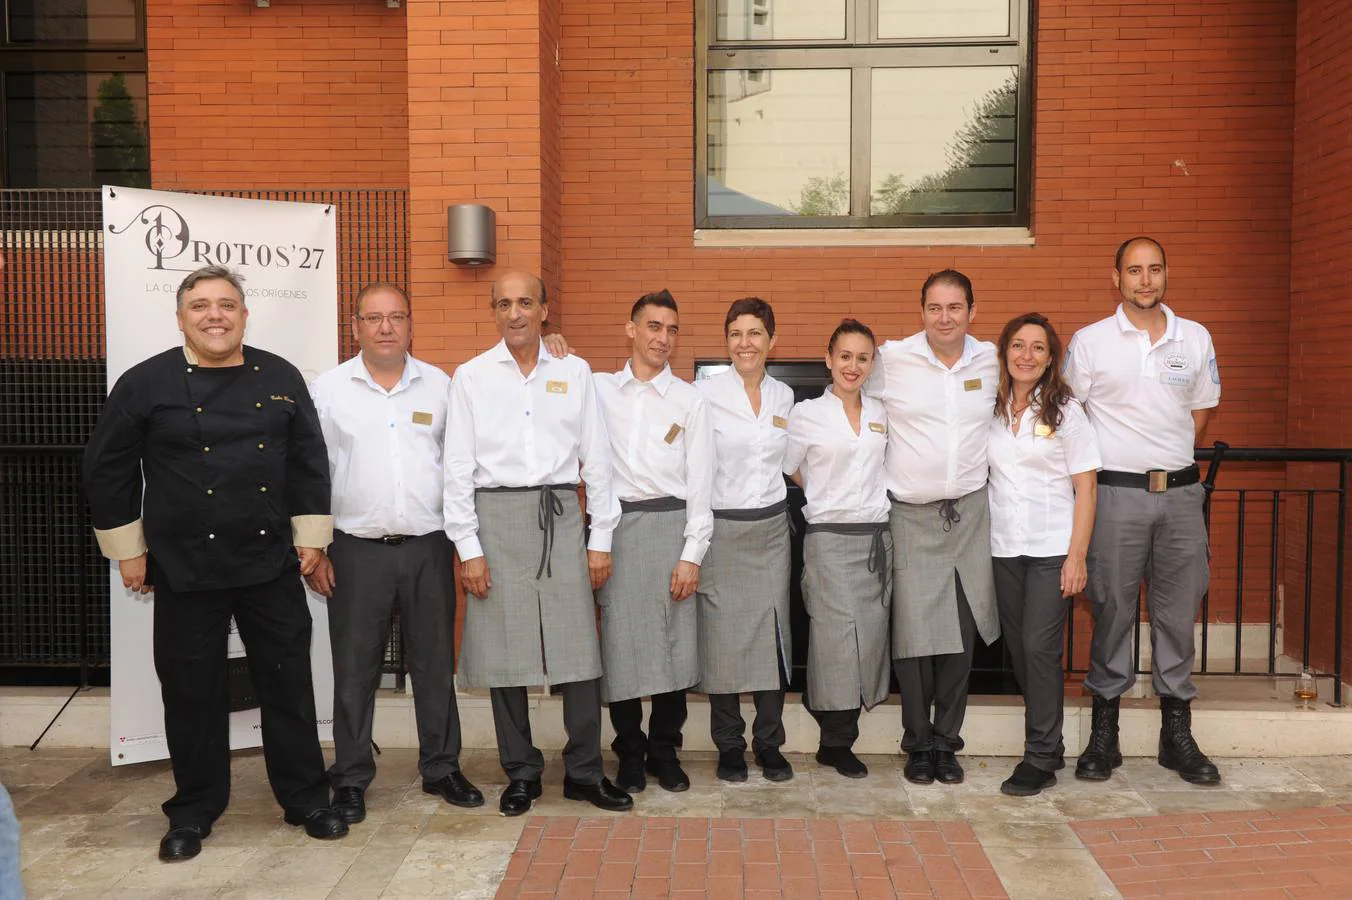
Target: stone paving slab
1284 854
693 859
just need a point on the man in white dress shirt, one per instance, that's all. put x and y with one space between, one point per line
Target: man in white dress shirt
524 429
938 388
383 414
661 440
1148 379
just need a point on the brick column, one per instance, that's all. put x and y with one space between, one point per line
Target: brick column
483 107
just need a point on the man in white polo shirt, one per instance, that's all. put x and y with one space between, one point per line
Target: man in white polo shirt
1149 381
938 389
383 414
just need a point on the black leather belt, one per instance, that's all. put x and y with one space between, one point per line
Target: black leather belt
1156 481
393 540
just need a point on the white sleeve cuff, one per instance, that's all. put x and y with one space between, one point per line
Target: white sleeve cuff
469 548
600 540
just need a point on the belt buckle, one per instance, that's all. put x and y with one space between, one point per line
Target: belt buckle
1157 481
393 540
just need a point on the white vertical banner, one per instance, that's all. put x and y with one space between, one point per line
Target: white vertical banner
287 254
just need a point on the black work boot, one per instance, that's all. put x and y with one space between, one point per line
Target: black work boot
1178 751
1101 754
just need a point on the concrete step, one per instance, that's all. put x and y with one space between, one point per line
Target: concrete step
1235 717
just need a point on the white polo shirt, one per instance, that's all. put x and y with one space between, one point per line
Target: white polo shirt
1032 500
384 447
842 471
937 418
513 430
749 448
1140 396
662 444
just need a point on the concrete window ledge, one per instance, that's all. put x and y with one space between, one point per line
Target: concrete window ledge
863 237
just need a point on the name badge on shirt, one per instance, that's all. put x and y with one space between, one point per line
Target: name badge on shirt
877 427
1042 429
556 387
283 397
422 418
780 421
1175 379
972 384
672 433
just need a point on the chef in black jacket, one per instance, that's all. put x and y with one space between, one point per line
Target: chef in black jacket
225 442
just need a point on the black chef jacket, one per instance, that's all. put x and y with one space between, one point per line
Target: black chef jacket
229 455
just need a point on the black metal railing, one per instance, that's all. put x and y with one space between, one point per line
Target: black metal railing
1298 556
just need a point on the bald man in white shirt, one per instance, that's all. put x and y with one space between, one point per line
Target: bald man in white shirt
1149 381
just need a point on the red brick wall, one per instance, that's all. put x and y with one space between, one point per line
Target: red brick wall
304 94
1123 94
1321 280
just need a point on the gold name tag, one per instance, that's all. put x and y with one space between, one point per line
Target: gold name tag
556 387
1042 429
283 397
422 418
878 427
780 422
672 433
972 384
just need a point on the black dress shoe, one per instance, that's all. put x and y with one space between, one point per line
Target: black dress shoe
773 765
919 767
843 760
1027 780
516 799
456 790
669 774
350 802
946 767
630 777
732 765
182 842
602 795
324 824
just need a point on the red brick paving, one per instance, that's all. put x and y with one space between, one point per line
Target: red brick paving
758 859
1237 855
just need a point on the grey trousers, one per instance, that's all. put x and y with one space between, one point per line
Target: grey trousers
520 758
728 728
939 682
1033 622
1161 539
368 578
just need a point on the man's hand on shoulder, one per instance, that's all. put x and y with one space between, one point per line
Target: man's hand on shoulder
556 345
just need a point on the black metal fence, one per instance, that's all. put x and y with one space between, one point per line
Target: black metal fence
53 581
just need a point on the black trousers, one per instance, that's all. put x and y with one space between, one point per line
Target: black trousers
369 577
939 682
191 630
1033 622
839 727
664 727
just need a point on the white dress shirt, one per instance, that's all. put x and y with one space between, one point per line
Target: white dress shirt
384 447
512 430
1140 396
937 418
749 448
842 471
662 445
1031 496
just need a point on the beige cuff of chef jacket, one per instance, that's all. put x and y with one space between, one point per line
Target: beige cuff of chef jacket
124 542
312 531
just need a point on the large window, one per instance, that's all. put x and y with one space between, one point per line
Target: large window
73 94
863 113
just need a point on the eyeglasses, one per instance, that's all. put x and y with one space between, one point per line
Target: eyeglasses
374 319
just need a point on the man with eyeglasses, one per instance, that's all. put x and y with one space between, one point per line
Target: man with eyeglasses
383 413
